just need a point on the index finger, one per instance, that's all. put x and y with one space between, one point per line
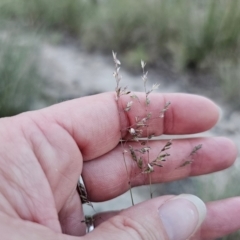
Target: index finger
96 122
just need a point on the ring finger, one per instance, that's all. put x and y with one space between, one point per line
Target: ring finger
106 176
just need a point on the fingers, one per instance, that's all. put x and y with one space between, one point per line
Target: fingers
92 125
222 218
164 218
95 125
71 216
106 177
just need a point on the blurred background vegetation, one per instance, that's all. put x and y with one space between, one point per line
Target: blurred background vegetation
197 36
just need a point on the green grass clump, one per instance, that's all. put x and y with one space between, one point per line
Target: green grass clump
129 26
19 78
60 14
229 76
209 31
192 32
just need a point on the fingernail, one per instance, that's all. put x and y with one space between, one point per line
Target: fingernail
181 216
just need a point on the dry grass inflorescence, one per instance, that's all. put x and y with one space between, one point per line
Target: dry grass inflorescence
135 139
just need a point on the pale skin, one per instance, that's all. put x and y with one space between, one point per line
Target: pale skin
43 153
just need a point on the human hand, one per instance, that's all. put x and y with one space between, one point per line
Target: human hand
43 153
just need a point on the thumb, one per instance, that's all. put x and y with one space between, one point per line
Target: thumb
164 218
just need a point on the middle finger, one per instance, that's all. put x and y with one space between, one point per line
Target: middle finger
107 177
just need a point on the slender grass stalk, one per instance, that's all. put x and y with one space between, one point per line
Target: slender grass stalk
119 92
147 102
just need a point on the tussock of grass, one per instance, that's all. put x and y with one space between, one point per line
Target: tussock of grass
229 75
189 30
193 33
18 77
59 14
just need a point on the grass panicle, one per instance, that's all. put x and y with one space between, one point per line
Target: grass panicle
141 154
